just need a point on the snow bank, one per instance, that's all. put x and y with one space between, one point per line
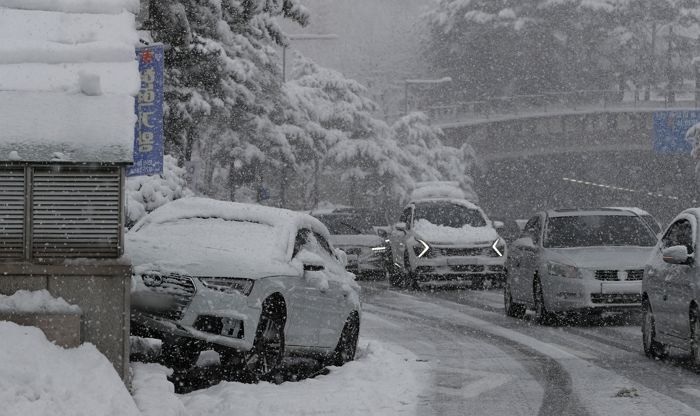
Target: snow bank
40 301
40 378
385 380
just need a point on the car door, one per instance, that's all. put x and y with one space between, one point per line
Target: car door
335 300
524 258
676 290
304 297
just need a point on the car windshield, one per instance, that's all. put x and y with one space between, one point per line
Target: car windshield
651 222
597 230
449 215
346 224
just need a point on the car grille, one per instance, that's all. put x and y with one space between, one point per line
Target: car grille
613 276
615 298
468 268
468 252
178 290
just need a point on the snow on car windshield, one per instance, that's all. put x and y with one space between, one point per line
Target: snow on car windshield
597 230
449 214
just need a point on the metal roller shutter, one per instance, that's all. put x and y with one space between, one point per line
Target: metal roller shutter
75 214
12 202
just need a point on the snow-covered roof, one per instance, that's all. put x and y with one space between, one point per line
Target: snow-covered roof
584 212
635 210
462 202
205 237
437 189
68 77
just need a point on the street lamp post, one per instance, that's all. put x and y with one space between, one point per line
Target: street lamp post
302 36
408 82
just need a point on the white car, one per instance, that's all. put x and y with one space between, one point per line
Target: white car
671 290
589 261
445 241
252 282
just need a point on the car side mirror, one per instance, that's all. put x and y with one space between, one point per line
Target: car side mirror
342 257
677 255
525 242
400 226
498 225
312 262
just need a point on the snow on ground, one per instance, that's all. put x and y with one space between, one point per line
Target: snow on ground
38 378
384 380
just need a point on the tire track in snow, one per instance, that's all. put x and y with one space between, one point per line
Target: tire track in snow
559 396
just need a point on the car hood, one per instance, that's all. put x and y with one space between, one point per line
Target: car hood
358 240
604 258
441 235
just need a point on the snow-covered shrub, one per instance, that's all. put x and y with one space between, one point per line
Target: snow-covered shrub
146 193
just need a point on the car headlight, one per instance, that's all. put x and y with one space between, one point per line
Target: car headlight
563 270
422 249
226 285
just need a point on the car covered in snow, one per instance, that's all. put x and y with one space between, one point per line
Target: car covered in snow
578 261
446 242
251 282
353 231
671 290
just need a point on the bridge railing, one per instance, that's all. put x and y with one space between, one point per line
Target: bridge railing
558 102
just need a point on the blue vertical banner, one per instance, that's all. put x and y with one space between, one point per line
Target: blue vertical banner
670 128
148 140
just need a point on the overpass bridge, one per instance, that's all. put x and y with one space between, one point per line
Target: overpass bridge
536 154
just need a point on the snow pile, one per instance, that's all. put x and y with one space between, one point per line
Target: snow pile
146 193
384 380
62 58
465 235
40 378
40 301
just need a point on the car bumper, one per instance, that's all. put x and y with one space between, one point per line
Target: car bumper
211 317
462 270
594 295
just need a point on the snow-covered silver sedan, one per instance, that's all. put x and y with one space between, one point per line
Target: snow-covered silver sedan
578 261
252 282
671 290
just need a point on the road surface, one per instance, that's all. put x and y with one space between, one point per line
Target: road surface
484 363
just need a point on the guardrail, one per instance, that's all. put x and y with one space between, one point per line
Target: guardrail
558 102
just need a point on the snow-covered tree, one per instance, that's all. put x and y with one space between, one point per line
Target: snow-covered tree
430 158
223 82
146 193
340 136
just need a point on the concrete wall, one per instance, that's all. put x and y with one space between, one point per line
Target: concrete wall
100 288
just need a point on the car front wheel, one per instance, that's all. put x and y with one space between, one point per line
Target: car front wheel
542 315
514 310
652 348
268 348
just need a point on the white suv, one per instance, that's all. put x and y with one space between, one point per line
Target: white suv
252 282
444 241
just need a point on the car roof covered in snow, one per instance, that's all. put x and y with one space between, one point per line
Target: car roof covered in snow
462 202
206 237
437 189
68 77
580 212
635 210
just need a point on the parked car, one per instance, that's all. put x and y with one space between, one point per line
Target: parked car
445 241
670 291
252 282
588 261
649 219
352 231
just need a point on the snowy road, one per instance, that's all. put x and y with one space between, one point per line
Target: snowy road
484 363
